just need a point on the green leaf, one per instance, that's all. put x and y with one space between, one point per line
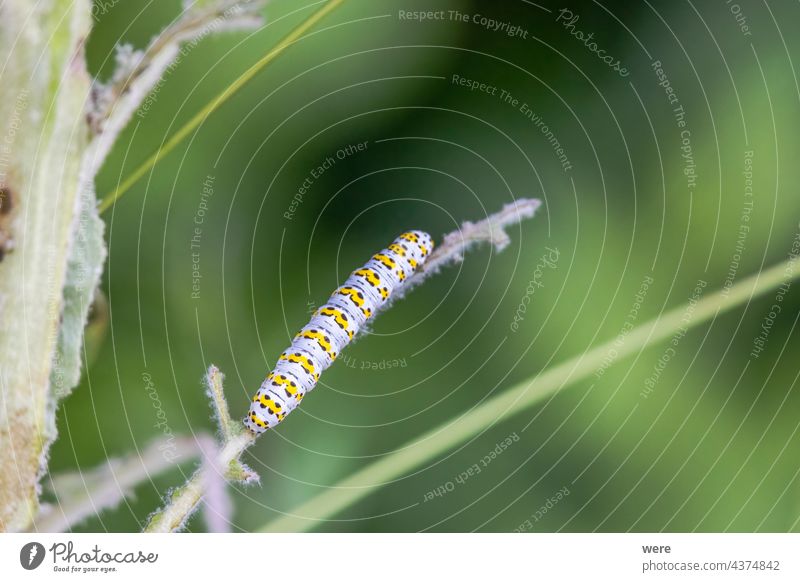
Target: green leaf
84 266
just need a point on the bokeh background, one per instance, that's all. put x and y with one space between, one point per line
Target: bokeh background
713 446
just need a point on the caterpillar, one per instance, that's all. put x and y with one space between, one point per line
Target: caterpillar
317 345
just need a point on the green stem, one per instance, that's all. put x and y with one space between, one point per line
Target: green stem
519 398
109 199
227 426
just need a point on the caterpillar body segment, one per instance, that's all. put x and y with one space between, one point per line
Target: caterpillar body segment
371 294
317 345
317 340
286 387
375 278
353 297
302 360
355 316
338 336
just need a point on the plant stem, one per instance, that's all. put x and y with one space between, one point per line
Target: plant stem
184 500
227 427
137 73
491 229
519 398
109 199
82 495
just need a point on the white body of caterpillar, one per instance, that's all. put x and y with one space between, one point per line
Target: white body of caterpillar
333 325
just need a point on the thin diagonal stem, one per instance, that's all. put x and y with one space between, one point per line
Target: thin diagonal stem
83 495
215 103
521 397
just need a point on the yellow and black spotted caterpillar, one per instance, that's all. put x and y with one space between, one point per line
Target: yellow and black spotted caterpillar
332 326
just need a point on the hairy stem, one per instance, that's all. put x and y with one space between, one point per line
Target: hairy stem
83 495
491 229
138 72
214 104
227 427
184 500
518 399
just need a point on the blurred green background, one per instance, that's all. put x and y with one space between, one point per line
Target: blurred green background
713 447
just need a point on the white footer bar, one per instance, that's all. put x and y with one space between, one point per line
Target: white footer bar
389 557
